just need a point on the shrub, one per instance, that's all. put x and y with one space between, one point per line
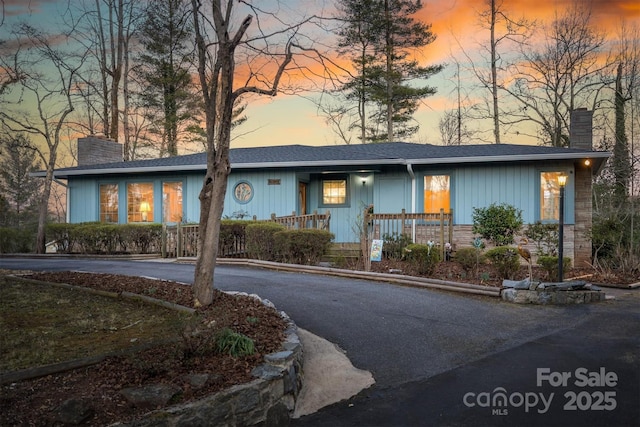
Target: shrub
61 235
506 261
394 245
306 246
97 237
550 265
544 236
141 238
13 240
260 240
423 258
234 343
470 258
497 223
232 236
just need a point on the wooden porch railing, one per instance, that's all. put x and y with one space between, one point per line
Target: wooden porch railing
420 227
314 221
182 240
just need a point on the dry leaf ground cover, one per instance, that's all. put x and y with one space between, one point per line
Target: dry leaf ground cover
46 324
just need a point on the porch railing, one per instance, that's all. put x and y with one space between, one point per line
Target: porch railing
420 227
182 240
314 220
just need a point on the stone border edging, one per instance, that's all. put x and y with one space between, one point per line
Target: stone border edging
269 399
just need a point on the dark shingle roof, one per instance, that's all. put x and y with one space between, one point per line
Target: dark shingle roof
344 155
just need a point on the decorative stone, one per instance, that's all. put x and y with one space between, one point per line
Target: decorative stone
509 294
150 396
247 401
516 284
280 358
73 412
198 381
267 372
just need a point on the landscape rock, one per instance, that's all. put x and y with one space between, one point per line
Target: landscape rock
73 412
150 396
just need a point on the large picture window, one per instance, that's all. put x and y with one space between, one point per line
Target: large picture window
549 196
437 193
140 202
109 203
334 192
172 202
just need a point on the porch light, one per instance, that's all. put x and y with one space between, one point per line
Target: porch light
587 162
562 182
145 208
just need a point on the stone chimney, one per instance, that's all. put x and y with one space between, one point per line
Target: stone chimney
93 150
581 129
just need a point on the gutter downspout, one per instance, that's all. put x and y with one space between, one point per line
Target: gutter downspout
413 199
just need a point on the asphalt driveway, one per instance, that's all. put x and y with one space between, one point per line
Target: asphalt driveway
434 353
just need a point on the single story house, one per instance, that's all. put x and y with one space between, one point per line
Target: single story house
343 179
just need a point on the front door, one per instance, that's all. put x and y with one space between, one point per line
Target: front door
302 198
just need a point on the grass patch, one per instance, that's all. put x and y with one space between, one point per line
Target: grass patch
43 324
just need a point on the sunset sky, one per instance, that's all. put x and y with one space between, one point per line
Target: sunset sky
294 119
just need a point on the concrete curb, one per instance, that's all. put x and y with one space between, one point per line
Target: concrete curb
399 279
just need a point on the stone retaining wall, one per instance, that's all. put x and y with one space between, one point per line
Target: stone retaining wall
545 295
267 400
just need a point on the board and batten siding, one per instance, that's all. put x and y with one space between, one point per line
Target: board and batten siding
519 186
344 219
274 192
83 200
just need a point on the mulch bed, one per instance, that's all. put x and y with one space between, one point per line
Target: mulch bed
35 402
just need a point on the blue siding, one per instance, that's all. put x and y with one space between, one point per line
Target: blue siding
479 187
389 190
280 198
83 200
392 193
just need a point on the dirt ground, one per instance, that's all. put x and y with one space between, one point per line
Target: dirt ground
36 401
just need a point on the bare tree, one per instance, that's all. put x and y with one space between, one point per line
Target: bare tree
489 61
564 74
267 54
50 93
110 27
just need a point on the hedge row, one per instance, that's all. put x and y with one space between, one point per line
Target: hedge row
273 242
101 238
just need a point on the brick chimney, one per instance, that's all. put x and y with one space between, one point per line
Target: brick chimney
93 150
581 129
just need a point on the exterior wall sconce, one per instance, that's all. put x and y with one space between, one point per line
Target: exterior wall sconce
562 182
364 182
587 162
145 208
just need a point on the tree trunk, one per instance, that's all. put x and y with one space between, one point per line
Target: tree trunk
494 74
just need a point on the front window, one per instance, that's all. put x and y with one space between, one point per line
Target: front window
140 202
437 193
172 202
549 196
334 192
109 203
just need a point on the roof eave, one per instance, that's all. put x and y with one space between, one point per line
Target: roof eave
511 158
